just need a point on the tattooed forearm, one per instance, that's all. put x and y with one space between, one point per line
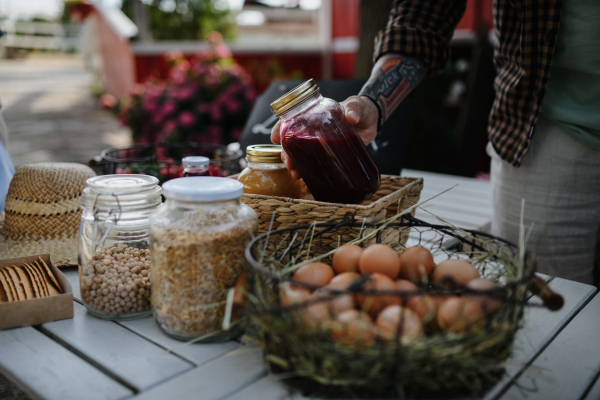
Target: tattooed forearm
392 78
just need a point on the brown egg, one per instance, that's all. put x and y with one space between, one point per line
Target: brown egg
353 329
392 318
374 303
426 307
239 298
488 303
316 273
381 259
416 264
317 313
457 314
402 285
341 302
345 258
462 272
289 294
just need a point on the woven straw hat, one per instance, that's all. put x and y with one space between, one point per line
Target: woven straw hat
43 211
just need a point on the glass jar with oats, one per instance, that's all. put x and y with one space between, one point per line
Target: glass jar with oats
197 243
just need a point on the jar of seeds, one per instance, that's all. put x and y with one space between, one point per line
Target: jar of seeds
114 259
197 243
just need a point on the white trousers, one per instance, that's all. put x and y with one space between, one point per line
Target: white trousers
559 179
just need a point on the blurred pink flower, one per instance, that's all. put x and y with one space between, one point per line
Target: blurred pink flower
203 108
232 105
138 89
187 118
183 65
108 101
168 108
168 128
178 76
215 112
173 55
184 93
150 106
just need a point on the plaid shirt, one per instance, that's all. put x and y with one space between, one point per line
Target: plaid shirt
526 32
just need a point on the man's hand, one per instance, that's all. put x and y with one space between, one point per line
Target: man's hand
362 113
358 110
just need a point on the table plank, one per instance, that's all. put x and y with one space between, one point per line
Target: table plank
214 380
266 388
72 275
197 354
594 393
132 359
569 365
540 328
45 369
434 178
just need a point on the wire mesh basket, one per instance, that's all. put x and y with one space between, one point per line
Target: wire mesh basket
163 160
309 353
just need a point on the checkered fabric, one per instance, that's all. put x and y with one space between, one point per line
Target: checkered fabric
526 32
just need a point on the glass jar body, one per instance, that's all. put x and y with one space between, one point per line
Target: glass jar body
270 179
197 254
114 259
327 152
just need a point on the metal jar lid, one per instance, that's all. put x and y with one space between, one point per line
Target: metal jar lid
264 153
294 96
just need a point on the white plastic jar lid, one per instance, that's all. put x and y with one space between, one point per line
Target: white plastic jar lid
195 161
203 189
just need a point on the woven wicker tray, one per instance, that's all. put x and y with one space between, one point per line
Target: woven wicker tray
395 195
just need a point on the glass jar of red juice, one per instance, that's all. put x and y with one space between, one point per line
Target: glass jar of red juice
324 147
195 166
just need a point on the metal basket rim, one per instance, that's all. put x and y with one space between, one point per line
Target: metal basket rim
209 146
411 221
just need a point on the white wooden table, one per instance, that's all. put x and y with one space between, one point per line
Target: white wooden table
556 356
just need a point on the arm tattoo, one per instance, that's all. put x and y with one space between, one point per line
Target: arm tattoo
392 78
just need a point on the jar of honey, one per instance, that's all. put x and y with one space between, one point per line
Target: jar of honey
266 174
324 147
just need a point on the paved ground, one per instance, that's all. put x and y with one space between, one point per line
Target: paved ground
52 116
50 112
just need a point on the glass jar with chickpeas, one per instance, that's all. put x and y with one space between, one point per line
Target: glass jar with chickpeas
114 259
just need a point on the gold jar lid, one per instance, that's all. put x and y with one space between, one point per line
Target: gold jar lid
294 96
264 153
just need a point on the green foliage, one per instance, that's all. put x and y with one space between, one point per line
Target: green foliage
189 20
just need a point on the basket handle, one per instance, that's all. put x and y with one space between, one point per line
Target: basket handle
552 300
398 209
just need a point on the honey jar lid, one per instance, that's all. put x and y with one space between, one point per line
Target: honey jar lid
264 153
294 96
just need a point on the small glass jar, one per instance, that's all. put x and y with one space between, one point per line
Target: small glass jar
114 259
266 174
324 147
197 242
195 166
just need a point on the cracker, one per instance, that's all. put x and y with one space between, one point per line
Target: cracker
40 281
5 289
46 279
25 282
51 275
37 292
16 283
11 287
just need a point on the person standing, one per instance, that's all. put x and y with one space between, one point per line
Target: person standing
544 126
